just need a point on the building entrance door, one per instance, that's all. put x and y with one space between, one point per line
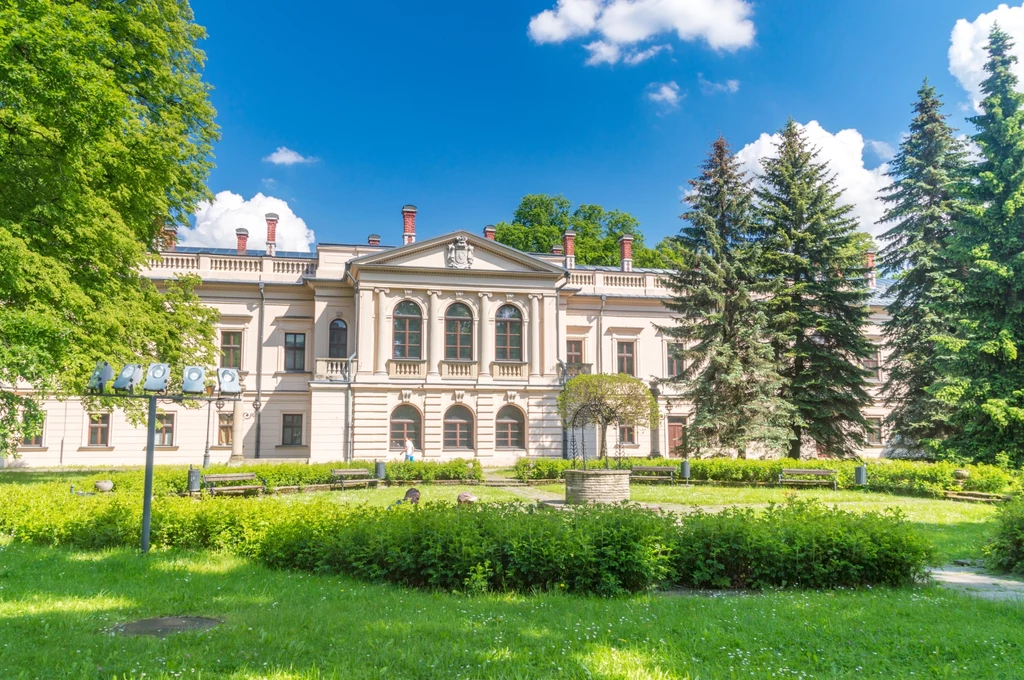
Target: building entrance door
676 436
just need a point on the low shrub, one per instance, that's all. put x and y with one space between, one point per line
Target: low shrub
885 476
1006 551
598 549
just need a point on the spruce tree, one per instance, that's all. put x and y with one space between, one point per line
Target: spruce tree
983 375
818 302
721 332
922 200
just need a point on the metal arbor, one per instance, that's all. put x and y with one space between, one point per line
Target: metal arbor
584 414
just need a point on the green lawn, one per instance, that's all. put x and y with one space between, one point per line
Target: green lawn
958 530
386 495
57 607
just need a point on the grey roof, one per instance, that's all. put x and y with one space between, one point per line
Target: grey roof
880 293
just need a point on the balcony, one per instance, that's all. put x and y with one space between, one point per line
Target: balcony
509 370
407 368
460 369
570 371
333 369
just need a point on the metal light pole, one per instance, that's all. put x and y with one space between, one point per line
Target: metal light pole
147 498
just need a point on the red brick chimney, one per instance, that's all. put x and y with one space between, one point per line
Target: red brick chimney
373 239
169 238
408 224
626 252
569 248
271 233
243 240
871 268
489 232
556 249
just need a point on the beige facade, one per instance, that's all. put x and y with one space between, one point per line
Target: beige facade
457 342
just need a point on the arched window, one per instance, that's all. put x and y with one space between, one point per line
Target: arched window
458 428
511 428
337 340
408 331
508 343
406 424
458 332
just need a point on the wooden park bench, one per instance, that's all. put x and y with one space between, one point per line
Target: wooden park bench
351 477
211 483
653 473
799 477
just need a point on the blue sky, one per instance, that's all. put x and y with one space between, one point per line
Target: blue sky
463 107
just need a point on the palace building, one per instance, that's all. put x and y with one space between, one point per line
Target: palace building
459 343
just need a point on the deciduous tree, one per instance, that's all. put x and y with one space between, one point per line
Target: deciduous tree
605 399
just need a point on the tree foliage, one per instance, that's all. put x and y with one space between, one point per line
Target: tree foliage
608 398
817 304
721 332
922 201
982 374
106 132
540 221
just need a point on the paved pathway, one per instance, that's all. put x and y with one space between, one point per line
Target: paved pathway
975 581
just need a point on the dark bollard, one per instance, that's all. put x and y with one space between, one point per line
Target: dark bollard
860 475
685 470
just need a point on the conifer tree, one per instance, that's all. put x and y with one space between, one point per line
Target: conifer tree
721 332
983 375
922 200
817 306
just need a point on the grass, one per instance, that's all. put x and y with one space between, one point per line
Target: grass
387 495
57 607
958 530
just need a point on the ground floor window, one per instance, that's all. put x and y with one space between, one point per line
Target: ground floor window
291 434
406 424
225 422
627 434
458 428
873 432
35 441
511 426
99 429
165 429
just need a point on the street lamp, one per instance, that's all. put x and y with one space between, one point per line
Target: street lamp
157 376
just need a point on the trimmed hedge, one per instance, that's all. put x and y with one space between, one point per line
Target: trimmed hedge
598 549
1006 551
890 476
174 479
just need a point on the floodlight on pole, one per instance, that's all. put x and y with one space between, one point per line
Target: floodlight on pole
101 375
229 382
193 380
156 377
129 378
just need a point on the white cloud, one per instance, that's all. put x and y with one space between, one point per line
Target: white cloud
216 222
967 42
285 156
844 153
883 150
666 94
709 87
634 58
722 24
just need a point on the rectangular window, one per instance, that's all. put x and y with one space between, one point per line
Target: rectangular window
675 364
574 351
295 351
99 429
625 353
291 434
627 434
165 429
457 435
874 365
225 421
458 339
36 441
873 433
231 349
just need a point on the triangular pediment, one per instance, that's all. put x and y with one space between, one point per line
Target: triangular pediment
458 252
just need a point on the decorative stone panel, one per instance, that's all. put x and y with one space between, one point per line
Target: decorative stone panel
596 486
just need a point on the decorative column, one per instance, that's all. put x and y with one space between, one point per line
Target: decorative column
486 350
236 432
381 366
435 342
535 335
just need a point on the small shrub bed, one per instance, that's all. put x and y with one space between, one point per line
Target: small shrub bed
1006 552
886 476
605 549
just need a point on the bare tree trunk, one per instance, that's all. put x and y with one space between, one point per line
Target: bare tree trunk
604 444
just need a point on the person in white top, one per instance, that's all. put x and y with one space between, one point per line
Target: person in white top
408 450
